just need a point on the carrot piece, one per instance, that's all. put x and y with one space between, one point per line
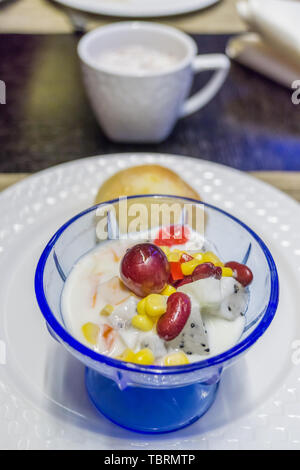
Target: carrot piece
106 330
116 257
94 299
109 335
123 300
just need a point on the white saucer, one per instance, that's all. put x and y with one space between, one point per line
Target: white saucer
43 402
138 8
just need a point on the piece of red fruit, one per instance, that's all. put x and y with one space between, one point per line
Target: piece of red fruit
185 258
171 323
145 269
241 272
176 271
173 235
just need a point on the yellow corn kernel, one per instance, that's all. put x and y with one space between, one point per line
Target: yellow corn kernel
198 256
210 257
142 322
165 249
144 357
127 355
91 332
176 359
227 272
107 310
174 256
155 320
188 267
141 307
156 305
168 290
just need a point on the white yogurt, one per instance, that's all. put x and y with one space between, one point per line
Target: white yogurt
136 59
93 283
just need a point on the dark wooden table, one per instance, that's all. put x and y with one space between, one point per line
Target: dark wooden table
251 125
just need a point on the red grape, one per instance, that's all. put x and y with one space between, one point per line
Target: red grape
145 269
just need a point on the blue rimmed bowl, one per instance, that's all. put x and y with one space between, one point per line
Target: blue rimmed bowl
151 398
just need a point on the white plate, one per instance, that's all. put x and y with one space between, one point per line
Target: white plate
43 403
138 8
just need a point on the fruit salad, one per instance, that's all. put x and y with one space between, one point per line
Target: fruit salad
166 302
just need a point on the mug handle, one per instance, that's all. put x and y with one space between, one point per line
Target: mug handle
218 62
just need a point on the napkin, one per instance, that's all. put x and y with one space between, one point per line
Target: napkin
273 48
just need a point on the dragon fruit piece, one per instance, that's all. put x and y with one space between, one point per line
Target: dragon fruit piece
152 341
207 292
130 337
233 302
123 313
193 339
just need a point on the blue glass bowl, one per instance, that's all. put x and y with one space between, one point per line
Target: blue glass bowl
156 399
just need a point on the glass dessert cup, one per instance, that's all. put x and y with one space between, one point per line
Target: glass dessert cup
156 399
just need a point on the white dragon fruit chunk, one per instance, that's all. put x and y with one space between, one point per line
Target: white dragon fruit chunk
193 339
123 313
233 300
236 304
225 298
130 337
207 292
152 341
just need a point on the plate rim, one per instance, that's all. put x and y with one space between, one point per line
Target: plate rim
91 158
160 159
125 13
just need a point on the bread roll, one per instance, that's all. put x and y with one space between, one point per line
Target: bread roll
144 179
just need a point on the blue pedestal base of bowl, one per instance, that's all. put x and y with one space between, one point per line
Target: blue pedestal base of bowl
149 410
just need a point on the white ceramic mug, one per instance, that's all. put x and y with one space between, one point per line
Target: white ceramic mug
145 107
